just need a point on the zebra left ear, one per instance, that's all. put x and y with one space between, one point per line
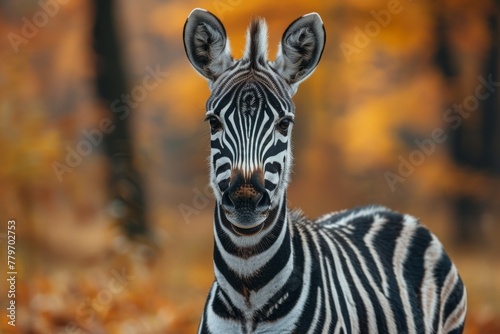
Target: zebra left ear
206 44
300 49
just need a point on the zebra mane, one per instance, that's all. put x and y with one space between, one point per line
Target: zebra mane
256 42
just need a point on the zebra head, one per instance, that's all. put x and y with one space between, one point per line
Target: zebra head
250 110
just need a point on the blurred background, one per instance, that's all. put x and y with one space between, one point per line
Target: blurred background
103 148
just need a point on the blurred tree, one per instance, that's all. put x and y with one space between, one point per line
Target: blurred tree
469 56
128 204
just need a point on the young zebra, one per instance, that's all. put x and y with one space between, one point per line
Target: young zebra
367 270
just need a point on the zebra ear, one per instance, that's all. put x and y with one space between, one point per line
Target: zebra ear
300 49
206 44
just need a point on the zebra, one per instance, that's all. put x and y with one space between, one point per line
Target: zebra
364 270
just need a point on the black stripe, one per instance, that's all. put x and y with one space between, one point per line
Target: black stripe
386 241
329 257
414 272
359 305
222 310
453 300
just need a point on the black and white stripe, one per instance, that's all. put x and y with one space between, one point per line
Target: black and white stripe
366 270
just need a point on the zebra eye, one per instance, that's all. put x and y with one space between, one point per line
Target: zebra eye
215 124
284 124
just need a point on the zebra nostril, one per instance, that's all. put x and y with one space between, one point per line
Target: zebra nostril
246 194
245 197
227 200
264 201
257 198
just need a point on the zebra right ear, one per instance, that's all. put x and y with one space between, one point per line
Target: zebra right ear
300 49
206 44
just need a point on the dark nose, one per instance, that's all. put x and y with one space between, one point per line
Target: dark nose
246 194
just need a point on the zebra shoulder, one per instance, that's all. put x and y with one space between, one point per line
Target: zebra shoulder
350 216
376 220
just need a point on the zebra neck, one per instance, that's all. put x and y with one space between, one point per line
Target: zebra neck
245 266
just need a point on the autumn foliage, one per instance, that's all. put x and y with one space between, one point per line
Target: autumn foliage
376 94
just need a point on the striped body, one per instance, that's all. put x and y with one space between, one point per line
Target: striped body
368 270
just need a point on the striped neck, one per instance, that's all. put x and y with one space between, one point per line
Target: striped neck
249 269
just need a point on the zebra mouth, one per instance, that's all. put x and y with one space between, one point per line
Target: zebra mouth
246 223
248 231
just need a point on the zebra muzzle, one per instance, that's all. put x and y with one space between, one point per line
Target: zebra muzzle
246 204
